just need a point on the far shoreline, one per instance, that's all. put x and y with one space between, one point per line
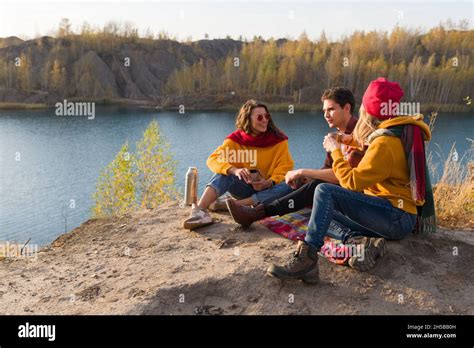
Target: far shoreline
147 104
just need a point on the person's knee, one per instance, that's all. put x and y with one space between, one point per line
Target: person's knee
221 178
282 189
322 192
322 189
220 183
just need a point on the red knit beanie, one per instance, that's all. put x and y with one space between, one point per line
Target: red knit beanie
382 98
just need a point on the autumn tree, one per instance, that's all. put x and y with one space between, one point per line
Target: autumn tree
64 28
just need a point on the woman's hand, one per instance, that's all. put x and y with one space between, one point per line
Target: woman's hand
346 139
241 173
261 185
292 177
330 144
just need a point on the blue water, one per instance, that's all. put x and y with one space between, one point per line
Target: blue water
49 165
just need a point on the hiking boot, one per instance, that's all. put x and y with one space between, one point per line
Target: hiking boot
373 248
244 215
219 204
198 218
302 265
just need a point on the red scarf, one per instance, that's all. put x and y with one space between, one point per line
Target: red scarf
262 140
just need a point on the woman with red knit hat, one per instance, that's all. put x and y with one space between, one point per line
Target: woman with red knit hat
387 196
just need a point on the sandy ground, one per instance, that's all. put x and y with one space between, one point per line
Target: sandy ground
147 264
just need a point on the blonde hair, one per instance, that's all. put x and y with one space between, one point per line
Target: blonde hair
365 126
243 122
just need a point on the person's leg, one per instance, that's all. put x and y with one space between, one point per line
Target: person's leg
208 196
372 213
294 201
245 215
220 184
364 245
375 215
241 191
272 193
343 228
217 186
245 201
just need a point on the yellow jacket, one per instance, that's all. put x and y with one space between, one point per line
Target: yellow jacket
273 162
383 171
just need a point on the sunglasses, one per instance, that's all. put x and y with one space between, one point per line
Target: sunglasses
260 117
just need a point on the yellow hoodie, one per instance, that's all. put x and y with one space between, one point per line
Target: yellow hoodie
273 162
383 171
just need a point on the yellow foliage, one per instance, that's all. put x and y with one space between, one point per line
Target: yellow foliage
131 181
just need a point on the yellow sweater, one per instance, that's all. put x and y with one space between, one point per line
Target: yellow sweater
273 162
383 171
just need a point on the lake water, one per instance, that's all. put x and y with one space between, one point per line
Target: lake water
49 165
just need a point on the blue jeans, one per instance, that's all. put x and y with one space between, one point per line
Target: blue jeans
240 189
342 214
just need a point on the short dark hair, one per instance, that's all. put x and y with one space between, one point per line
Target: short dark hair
340 95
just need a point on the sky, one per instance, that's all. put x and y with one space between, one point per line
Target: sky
277 19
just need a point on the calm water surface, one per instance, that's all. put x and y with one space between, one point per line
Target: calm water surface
50 163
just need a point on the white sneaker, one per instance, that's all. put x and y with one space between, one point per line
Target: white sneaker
198 218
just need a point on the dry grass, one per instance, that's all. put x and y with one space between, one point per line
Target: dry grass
454 192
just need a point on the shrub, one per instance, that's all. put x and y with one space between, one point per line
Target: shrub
116 189
156 168
142 180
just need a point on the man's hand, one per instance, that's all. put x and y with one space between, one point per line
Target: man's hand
261 185
292 177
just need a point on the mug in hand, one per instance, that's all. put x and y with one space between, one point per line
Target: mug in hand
255 174
337 136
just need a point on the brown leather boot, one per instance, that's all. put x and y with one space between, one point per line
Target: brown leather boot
372 249
244 215
303 265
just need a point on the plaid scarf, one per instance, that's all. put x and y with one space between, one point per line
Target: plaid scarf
420 184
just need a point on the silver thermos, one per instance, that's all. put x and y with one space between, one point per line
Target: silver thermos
191 185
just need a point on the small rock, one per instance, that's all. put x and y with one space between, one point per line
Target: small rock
208 310
89 293
252 298
45 299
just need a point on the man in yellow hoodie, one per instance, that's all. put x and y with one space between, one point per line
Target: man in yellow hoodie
377 200
251 164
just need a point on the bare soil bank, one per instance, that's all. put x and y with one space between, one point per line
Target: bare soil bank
147 264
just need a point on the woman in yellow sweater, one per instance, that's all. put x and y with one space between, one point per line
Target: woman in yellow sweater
385 197
251 164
